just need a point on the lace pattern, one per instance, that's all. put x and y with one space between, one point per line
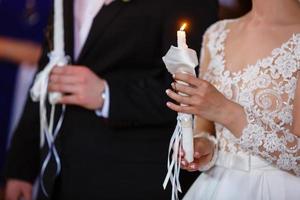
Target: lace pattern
266 90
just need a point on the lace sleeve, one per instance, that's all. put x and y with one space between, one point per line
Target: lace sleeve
272 134
204 56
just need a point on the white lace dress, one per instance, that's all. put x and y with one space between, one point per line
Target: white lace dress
264 164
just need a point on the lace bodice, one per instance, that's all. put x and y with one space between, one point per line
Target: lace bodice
266 90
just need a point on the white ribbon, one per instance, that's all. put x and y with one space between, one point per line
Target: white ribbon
174 163
39 93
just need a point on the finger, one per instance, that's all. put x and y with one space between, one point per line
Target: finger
63 88
68 70
204 160
188 90
184 163
184 168
61 70
192 167
197 163
66 79
187 78
202 147
181 109
70 100
179 98
197 155
181 153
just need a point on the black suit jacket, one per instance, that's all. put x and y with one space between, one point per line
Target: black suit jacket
124 156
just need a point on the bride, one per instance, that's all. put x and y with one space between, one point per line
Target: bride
247 106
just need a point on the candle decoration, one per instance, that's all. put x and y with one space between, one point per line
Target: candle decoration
184 60
39 93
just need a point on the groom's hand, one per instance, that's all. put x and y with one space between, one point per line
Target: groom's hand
203 153
17 189
79 85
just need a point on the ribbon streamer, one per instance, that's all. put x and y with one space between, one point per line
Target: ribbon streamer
174 163
39 93
52 150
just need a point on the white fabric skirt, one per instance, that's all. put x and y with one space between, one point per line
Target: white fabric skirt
244 177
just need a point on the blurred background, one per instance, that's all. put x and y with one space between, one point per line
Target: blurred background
22 27
22 24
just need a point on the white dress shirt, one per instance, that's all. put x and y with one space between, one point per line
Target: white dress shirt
84 14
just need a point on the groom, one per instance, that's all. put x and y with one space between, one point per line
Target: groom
114 139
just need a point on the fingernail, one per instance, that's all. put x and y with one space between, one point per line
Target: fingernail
168 91
174 75
183 162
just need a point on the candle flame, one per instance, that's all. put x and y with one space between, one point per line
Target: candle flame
183 27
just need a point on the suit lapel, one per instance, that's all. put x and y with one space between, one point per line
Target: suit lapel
101 23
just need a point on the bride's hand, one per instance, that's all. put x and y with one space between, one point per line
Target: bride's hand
203 153
202 99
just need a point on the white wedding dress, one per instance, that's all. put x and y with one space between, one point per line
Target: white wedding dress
264 164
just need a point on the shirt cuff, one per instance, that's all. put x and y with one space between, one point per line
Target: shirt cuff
104 111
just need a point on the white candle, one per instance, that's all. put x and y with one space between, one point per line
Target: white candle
59 44
187 120
181 37
59 28
187 137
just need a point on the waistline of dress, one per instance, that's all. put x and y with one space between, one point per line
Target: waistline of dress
243 162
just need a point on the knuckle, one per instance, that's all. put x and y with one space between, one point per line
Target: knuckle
177 108
197 101
180 98
81 90
200 102
67 70
80 99
84 79
205 85
190 89
201 94
181 109
56 79
58 87
194 100
81 79
52 78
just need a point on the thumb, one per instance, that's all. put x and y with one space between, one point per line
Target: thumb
202 147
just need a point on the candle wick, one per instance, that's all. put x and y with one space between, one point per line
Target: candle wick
183 27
